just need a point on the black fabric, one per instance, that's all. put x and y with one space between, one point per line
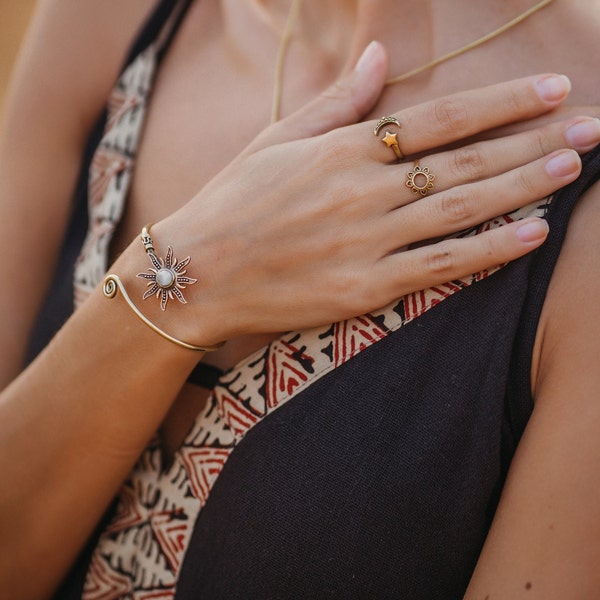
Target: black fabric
381 479
205 375
362 486
520 402
58 305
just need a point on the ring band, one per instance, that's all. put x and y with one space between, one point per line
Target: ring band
424 183
390 139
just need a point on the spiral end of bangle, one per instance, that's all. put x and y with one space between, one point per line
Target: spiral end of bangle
110 287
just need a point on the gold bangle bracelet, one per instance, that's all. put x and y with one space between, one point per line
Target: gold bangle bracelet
112 284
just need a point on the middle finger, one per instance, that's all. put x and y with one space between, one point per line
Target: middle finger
486 159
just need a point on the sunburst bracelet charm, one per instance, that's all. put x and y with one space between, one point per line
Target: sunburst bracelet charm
167 277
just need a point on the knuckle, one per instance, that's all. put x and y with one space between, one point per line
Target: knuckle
469 164
525 183
488 251
336 245
337 93
349 283
451 116
360 303
441 259
457 206
331 150
338 97
513 101
347 291
539 144
489 247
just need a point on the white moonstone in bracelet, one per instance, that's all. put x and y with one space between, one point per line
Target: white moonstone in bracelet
165 278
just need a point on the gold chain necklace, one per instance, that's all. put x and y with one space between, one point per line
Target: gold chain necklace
293 17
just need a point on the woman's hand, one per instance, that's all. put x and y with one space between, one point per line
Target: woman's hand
305 226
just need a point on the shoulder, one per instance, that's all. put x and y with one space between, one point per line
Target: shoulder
550 499
67 66
562 38
578 34
70 59
71 56
568 344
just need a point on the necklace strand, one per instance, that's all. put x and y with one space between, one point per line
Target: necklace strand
286 37
293 17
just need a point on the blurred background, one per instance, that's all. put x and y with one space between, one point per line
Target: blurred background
14 16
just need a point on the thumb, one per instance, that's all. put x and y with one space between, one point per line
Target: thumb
344 102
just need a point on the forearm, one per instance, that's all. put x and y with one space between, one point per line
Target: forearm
72 425
12 351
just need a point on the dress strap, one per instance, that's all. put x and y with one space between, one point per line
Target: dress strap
162 24
205 375
519 400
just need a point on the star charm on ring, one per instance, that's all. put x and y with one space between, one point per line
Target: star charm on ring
420 180
167 278
390 139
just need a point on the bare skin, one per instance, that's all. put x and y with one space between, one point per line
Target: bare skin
202 85
189 112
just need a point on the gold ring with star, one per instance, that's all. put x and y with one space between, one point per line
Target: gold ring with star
420 180
390 139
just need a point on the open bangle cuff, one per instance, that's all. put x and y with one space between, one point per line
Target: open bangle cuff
112 284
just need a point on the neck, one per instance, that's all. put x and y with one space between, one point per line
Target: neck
329 36
415 31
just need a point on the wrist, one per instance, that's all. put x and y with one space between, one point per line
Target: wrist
159 287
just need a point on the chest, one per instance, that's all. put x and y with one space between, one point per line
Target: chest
272 476
207 104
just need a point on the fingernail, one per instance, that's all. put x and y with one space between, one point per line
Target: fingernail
366 59
566 162
533 231
584 134
553 88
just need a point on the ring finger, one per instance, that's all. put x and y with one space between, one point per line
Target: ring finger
467 205
485 159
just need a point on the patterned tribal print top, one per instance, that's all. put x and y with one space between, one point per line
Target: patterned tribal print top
358 460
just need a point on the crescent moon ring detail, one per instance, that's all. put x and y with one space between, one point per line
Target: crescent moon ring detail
385 121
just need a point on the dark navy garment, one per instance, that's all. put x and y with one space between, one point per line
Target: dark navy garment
380 479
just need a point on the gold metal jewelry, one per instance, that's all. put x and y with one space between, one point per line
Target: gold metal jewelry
293 17
385 121
390 139
420 180
112 284
167 276
471 45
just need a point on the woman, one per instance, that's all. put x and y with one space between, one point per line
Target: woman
382 469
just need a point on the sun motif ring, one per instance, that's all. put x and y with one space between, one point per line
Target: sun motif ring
167 276
390 139
420 180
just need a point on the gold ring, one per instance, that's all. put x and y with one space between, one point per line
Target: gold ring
420 180
390 139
